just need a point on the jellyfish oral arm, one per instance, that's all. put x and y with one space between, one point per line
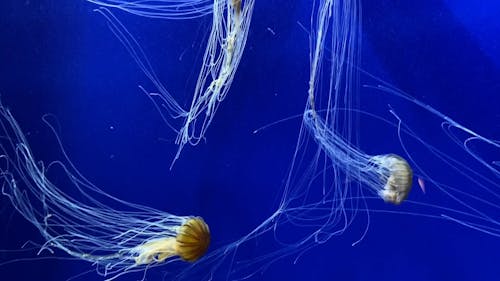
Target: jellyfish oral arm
225 46
222 56
157 250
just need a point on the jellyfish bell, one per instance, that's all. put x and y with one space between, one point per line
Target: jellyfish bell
193 239
397 175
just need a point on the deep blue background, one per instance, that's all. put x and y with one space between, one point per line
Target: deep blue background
61 58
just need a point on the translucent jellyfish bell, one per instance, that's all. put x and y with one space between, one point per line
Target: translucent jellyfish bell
332 116
397 175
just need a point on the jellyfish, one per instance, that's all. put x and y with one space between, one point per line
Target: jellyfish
221 59
226 43
118 240
387 175
341 180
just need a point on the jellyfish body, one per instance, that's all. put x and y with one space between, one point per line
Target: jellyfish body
190 243
387 175
126 238
397 175
226 43
222 56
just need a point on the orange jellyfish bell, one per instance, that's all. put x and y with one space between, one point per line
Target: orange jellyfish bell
193 239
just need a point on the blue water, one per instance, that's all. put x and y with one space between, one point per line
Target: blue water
60 58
